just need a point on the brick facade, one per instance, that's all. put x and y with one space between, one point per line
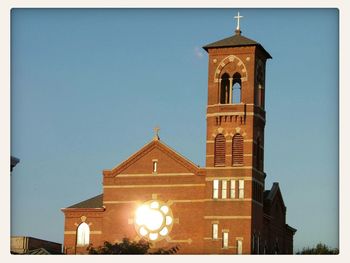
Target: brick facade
227 195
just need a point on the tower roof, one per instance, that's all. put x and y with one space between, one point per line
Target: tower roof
236 40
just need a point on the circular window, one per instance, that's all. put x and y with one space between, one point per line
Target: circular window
153 220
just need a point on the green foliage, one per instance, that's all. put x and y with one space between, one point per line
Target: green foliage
140 247
318 250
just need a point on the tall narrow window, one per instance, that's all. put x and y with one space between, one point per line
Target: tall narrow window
233 189
224 189
215 231
261 94
215 189
276 247
225 239
83 234
236 88
220 150
225 89
253 244
241 189
239 247
259 160
237 149
155 166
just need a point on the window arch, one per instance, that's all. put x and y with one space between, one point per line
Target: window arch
236 88
220 150
83 234
237 149
225 89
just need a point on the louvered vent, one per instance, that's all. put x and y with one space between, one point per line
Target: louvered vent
237 150
219 150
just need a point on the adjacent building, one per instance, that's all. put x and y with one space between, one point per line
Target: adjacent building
34 246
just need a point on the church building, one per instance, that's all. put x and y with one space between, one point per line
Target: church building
222 208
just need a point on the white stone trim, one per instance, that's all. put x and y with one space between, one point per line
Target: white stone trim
219 104
230 59
235 113
229 167
152 185
227 217
153 174
182 201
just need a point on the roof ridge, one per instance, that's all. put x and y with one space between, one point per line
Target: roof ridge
138 154
93 201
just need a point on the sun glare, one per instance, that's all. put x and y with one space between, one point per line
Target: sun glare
153 220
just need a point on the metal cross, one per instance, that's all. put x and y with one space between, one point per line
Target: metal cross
156 131
238 17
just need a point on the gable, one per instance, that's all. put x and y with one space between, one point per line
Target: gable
141 162
273 200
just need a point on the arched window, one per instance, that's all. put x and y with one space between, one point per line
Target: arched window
220 150
237 150
83 234
236 88
225 89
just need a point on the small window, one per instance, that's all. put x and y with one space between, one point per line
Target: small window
241 189
83 234
215 231
225 239
239 247
233 189
155 164
224 189
216 189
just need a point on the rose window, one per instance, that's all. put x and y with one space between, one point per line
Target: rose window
153 220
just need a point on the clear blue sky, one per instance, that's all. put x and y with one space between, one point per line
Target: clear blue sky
89 85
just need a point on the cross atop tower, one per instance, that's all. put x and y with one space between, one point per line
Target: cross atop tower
156 131
238 17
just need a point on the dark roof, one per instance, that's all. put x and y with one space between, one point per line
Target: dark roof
14 162
236 41
94 202
291 228
270 194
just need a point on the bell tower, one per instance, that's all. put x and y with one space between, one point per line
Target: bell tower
235 136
